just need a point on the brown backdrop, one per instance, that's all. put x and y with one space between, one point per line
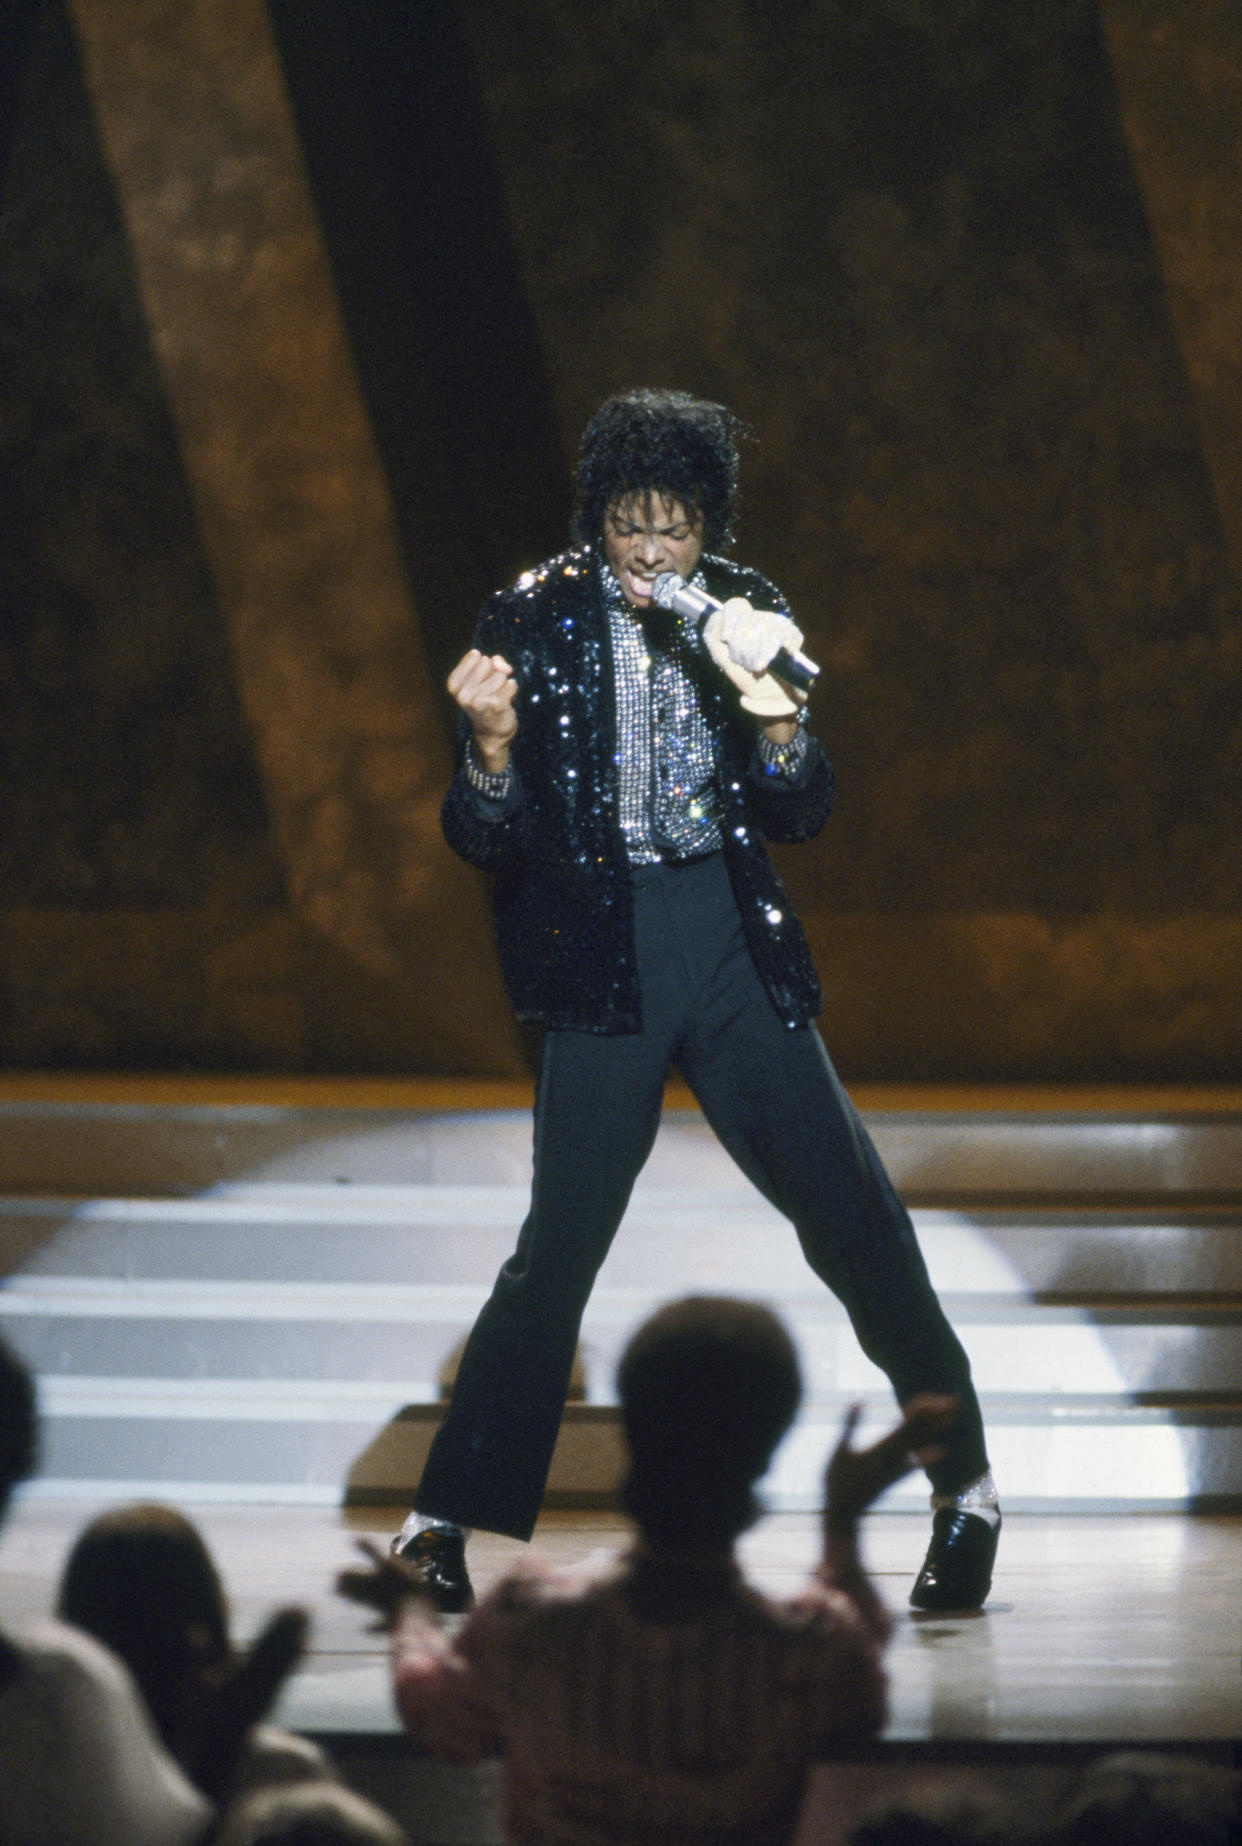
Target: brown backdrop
301 309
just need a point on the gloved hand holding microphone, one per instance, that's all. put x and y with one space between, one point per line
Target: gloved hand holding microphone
743 642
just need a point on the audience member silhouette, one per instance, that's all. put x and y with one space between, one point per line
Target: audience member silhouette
1152 1798
79 1759
81 1763
308 1814
669 1700
142 1581
1125 1798
953 1809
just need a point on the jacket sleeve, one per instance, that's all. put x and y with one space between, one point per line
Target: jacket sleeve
786 813
490 842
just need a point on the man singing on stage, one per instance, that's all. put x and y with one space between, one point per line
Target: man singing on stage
622 761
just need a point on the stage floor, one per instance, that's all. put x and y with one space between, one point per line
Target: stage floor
1099 1630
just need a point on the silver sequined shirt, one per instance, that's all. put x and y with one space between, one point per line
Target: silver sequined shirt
666 762
668 801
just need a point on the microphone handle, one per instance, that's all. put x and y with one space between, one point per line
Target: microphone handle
795 669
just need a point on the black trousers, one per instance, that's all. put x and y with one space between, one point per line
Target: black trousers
774 1100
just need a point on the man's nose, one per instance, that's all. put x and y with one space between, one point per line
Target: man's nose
650 546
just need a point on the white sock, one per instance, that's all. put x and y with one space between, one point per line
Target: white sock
420 1522
978 1496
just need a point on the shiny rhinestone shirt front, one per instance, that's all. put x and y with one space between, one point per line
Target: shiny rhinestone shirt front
666 757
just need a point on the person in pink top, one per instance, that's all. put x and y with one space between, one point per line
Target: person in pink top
668 1700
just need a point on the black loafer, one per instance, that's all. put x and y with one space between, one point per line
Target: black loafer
439 1556
957 1571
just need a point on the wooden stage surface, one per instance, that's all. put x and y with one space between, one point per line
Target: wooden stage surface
1090 1242
1099 1630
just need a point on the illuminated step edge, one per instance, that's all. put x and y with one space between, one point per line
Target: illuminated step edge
160 1299
1018 1351
108 1297
298 1207
302 1443
91 1148
264 1400
312 1400
697 1245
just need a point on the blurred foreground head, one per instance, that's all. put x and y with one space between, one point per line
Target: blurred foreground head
18 1425
950 1809
314 1814
141 1580
1141 1798
708 1386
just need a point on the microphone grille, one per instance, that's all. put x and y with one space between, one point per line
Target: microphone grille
664 589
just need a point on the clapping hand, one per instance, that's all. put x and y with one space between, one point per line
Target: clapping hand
855 1478
389 1583
235 1696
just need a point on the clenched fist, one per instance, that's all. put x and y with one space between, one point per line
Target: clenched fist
484 687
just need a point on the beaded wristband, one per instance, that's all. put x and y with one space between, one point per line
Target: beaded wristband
493 786
783 759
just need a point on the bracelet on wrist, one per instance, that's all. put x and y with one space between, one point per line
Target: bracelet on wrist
493 784
783 759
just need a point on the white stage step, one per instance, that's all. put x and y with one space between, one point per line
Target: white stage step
94 1148
257 1303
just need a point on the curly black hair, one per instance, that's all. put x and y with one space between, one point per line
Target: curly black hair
663 442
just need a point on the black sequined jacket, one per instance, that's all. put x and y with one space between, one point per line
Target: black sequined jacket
563 897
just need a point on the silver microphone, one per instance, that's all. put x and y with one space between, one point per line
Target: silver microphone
673 592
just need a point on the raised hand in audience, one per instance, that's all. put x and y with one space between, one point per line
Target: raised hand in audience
227 1710
855 1478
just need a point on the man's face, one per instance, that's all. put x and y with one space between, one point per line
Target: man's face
645 534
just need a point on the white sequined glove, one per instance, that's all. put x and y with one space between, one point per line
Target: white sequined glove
742 641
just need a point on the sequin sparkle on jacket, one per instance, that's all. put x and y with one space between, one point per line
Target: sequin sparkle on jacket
562 887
